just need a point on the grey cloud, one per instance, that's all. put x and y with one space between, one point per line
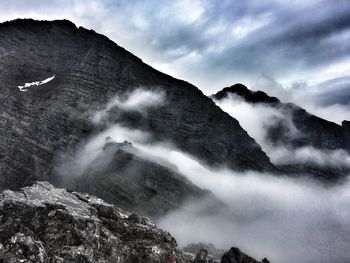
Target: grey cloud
277 38
334 91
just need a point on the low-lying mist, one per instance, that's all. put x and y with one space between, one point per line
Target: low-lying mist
285 219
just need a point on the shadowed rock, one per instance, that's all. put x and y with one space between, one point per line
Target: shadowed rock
234 255
248 95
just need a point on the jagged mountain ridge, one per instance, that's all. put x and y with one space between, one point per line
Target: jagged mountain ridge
47 121
307 131
314 131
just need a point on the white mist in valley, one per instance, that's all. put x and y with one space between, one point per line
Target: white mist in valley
287 220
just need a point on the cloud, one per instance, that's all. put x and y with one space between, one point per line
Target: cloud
214 43
284 219
140 99
137 100
288 220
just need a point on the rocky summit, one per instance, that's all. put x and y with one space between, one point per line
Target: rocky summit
242 91
43 224
54 76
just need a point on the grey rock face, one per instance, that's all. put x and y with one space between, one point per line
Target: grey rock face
40 125
234 255
124 176
45 224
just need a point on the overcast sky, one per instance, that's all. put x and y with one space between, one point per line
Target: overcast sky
213 44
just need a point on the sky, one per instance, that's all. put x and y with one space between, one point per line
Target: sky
289 44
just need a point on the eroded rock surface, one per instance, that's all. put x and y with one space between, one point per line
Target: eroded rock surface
44 224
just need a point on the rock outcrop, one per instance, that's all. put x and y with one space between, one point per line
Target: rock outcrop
234 255
44 224
40 125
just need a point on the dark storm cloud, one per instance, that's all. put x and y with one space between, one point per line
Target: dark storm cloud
294 38
213 43
334 91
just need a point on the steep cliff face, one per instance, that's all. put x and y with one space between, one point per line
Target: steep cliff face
42 122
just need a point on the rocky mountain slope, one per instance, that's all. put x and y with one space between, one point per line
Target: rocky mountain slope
41 123
44 224
124 175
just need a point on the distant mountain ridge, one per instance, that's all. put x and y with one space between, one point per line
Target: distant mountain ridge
315 131
308 131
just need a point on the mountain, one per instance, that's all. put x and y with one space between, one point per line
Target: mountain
312 130
248 95
295 129
74 73
45 224
129 178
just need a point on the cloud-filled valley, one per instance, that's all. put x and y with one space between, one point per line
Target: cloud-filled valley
271 215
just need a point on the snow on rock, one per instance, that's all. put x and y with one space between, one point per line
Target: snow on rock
35 83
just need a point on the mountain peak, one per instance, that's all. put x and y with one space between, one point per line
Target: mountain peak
248 95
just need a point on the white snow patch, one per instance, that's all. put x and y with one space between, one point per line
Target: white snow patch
35 83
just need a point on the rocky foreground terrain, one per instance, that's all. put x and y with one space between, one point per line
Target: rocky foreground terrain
42 223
